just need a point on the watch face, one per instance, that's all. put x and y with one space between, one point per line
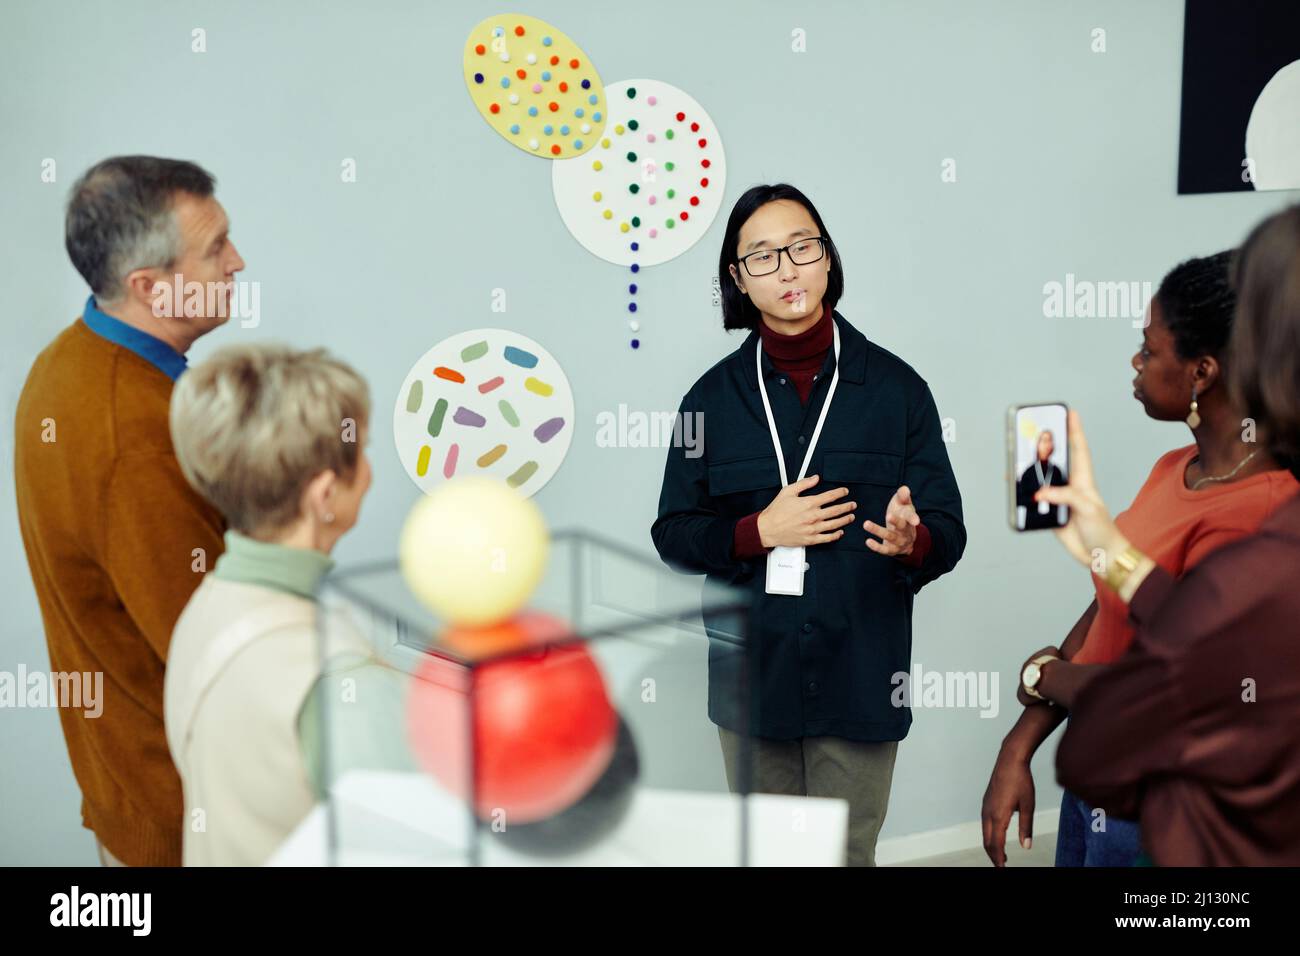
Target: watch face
1031 675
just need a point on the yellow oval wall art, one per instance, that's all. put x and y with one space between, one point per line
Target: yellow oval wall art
534 86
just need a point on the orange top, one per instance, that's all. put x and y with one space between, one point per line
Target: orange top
1177 527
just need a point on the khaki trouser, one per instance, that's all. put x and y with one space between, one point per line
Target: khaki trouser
856 771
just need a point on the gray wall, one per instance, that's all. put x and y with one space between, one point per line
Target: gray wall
1066 163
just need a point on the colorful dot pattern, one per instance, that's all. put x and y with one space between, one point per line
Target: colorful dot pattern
656 176
642 174
443 420
534 86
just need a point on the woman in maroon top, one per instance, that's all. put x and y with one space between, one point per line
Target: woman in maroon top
1213 677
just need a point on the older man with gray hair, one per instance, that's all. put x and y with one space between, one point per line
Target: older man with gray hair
116 538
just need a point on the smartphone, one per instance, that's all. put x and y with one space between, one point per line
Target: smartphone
1038 454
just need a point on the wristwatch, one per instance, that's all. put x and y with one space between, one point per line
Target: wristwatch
1033 673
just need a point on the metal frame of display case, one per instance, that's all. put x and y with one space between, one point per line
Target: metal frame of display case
408 651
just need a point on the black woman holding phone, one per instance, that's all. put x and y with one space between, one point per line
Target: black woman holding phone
824 489
1195 731
1197 499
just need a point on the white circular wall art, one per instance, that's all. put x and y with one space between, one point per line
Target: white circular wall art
652 184
484 402
1273 133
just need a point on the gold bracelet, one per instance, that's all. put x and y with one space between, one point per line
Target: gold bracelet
1121 566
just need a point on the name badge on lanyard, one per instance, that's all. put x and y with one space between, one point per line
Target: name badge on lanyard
786 565
1043 506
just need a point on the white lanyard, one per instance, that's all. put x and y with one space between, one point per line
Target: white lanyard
1043 506
821 419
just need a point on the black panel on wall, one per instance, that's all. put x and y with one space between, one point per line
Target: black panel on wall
1231 49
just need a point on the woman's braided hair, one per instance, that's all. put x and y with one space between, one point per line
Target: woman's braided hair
1198 301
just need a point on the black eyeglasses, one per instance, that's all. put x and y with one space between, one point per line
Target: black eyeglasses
802 253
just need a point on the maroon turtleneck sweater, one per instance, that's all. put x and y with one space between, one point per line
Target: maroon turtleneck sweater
801 357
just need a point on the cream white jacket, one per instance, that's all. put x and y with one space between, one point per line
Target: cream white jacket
242 662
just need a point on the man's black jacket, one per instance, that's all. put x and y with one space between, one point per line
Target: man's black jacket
825 662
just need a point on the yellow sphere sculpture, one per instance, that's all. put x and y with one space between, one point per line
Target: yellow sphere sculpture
474 550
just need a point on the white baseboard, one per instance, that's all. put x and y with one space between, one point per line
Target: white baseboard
954 839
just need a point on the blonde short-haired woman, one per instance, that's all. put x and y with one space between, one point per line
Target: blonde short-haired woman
275 439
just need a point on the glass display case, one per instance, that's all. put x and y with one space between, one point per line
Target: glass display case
585 730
